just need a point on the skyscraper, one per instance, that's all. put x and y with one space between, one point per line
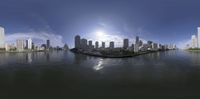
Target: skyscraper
48 44
137 39
84 43
103 45
26 44
126 43
96 44
194 41
90 44
30 44
112 45
2 37
77 41
198 34
136 47
20 44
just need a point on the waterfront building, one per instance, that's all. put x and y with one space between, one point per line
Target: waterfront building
26 44
2 38
136 47
140 43
126 43
48 44
20 44
77 41
194 41
198 38
65 47
137 40
112 45
83 43
30 46
174 46
103 45
33 46
7 47
154 46
96 44
149 44
90 44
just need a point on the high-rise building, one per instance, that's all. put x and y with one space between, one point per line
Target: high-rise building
2 37
103 45
149 44
30 46
20 44
137 40
194 41
77 41
126 43
26 44
83 43
140 43
198 38
136 47
174 46
90 44
154 46
48 44
112 45
96 44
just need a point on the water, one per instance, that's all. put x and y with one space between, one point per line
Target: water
65 75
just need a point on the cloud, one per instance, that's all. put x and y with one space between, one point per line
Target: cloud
38 38
183 44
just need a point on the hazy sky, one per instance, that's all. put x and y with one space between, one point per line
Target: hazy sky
165 21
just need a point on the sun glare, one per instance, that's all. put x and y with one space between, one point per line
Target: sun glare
100 33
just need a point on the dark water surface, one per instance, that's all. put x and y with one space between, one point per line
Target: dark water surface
64 75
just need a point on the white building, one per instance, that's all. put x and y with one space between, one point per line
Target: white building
2 37
29 43
194 41
198 38
20 44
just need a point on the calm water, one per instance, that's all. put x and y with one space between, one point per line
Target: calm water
64 75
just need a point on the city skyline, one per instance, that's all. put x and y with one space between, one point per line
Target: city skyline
167 21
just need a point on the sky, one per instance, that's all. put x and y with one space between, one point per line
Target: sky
162 21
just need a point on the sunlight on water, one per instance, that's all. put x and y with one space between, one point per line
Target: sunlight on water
99 65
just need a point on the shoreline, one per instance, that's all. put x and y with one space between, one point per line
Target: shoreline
112 56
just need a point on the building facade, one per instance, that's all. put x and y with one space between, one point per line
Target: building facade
48 44
194 41
96 44
112 45
20 44
30 46
77 41
126 43
83 43
2 37
103 45
198 37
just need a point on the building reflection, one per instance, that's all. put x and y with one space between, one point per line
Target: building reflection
29 58
79 58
